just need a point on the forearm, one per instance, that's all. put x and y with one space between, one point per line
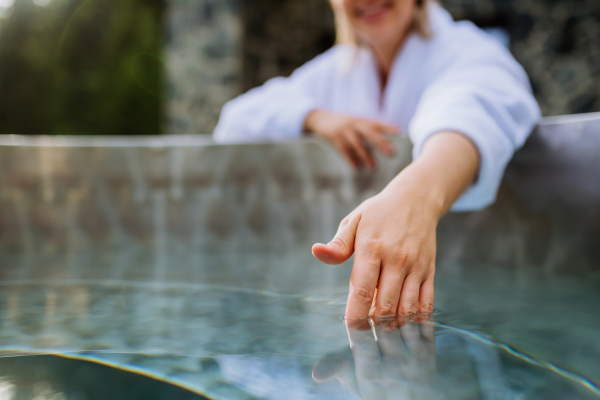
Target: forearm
447 166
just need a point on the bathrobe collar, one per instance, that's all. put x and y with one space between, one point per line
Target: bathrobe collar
396 103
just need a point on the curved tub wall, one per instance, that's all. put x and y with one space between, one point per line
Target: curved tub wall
151 204
176 199
547 214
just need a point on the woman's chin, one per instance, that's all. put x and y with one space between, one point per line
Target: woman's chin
380 32
380 38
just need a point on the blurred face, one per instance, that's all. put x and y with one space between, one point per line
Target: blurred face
379 22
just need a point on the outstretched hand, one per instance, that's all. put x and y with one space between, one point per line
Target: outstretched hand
393 234
393 238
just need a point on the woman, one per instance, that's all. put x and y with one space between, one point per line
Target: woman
401 65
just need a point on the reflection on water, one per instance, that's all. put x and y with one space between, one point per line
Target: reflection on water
238 343
394 359
154 318
57 378
385 358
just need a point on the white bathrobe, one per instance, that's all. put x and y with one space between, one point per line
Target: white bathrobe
460 80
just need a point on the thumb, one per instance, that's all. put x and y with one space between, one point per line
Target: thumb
342 246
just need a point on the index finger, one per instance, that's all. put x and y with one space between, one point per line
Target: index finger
363 282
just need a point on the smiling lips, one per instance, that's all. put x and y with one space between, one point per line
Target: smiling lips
374 11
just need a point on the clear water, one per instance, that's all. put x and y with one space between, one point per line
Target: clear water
498 334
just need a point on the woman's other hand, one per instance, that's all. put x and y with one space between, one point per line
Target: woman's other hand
354 137
393 234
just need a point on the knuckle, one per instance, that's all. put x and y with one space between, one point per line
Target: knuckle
426 308
420 267
402 257
386 308
345 222
338 242
407 307
424 269
373 246
362 294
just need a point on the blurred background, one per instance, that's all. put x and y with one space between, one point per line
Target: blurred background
146 67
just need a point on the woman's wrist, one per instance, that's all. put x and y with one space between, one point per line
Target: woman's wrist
417 183
310 122
446 168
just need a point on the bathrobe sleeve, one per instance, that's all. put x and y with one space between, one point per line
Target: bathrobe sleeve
277 110
480 91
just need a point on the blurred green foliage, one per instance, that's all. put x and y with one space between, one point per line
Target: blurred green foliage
82 67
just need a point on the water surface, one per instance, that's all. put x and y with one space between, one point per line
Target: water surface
498 334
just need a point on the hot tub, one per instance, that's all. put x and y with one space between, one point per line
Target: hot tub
187 265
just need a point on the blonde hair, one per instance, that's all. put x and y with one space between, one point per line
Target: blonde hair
346 35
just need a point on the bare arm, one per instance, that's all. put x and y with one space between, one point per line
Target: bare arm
393 235
452 161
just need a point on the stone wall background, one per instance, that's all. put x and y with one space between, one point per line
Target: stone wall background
203 68
557 41
281 35
218 49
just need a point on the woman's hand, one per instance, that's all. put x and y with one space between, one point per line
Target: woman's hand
354 137
393 235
